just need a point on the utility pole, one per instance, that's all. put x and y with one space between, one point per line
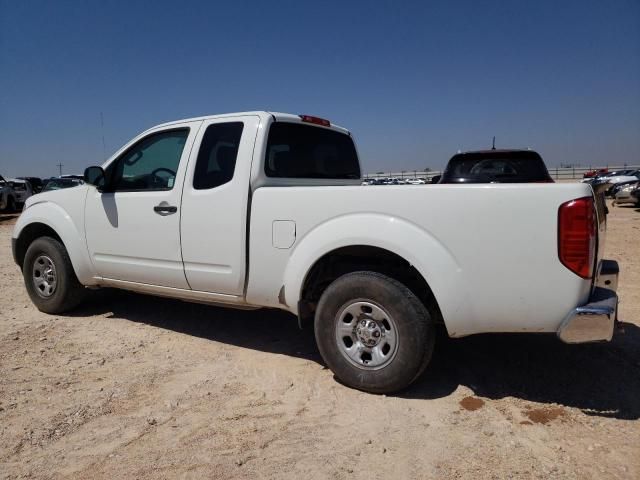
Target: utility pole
104 147
60 165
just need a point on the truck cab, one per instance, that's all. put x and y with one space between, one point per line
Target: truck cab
171 207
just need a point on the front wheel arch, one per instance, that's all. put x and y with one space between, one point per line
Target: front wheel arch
28 235
50 219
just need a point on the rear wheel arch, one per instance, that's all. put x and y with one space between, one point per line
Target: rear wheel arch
341 261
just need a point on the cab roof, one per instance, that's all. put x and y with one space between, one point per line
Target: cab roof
277 116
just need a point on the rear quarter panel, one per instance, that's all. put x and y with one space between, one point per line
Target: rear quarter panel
488 252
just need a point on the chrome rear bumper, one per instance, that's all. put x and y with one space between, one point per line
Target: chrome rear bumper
594 322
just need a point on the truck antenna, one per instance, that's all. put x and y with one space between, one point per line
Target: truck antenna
493 145
60 165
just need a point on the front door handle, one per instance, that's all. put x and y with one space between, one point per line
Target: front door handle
165 209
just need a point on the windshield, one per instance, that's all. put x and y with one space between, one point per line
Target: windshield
18 185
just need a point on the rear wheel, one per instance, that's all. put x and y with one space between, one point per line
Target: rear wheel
49 277
373 332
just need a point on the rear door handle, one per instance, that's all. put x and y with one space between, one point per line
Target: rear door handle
165 209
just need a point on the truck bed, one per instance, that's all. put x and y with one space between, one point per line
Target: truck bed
488 252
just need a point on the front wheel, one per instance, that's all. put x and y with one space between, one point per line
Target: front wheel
373 332
49 277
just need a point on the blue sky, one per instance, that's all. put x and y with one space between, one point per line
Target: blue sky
414 81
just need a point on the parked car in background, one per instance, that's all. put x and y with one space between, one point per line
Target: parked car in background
619 186
595 173
496 166
21 191
60 183
36 183
416 181
606 176
636 194
7 198
625 194
628 176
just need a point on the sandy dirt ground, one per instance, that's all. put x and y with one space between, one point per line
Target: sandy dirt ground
131 386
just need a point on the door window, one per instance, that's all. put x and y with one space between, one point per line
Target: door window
217 156
150 164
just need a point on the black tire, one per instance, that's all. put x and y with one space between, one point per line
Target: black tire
68 292
414 327
11 205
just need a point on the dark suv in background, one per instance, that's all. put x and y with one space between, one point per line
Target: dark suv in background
495 166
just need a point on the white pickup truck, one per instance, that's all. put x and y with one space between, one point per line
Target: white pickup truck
265 209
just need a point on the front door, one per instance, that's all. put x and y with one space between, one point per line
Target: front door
133 230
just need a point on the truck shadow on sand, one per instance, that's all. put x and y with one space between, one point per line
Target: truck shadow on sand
600 379
8 219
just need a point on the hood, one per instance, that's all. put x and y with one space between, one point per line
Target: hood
58 196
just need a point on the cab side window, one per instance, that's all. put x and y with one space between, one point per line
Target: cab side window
150 164
217 156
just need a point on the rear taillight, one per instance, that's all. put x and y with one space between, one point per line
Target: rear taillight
577 236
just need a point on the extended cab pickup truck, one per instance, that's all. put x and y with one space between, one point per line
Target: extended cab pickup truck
266 209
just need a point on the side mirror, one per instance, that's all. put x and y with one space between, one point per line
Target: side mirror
94 176
436 179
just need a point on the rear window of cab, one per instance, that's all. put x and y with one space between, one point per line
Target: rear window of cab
304 151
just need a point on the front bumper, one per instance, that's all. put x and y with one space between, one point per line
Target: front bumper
595 321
